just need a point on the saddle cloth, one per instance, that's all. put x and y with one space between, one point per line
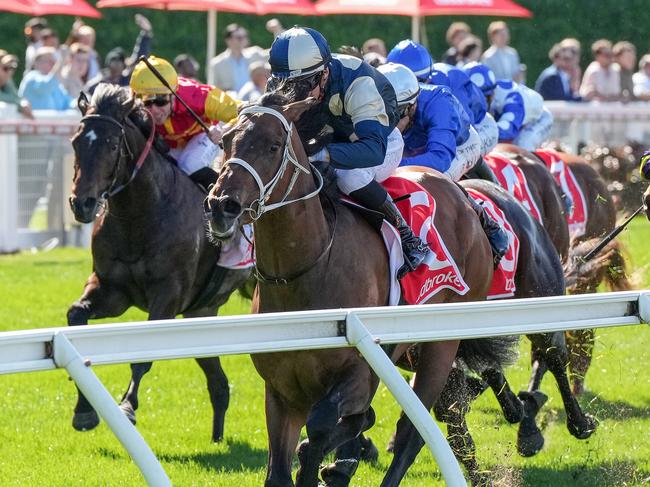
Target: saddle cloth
438 271
513 180
503 282
577 217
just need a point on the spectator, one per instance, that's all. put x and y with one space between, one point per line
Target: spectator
555 81
118 67
469 50
33 29
642 79
602 80
74 74
260 72
625 57
575 74
186 66
8 91
41 86
500 57
456 32
375 45
273 26
85 34
230 68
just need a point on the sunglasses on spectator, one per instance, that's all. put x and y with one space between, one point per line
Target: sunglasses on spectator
159 102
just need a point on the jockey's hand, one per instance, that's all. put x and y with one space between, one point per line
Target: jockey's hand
644 169
322 155
406 121
215 134
143 22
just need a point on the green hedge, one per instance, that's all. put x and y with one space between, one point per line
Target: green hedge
553 20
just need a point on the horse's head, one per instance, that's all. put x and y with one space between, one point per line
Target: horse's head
100 147
263 159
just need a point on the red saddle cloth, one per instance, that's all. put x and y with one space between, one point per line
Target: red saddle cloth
513 180
439 271
503 281
577 218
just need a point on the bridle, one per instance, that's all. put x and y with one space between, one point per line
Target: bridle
258 207
125 153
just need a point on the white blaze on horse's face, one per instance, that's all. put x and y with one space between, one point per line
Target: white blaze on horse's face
91 136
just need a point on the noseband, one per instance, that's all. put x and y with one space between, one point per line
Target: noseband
258 207
125 152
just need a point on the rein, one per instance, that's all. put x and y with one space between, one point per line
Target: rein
259 206
124 143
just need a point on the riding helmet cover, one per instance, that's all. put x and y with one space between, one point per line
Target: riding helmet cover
145 84
481 76
298 53
414 56
403 81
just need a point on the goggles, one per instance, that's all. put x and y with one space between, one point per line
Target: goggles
159 101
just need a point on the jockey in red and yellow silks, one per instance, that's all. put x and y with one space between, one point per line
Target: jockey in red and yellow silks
193 149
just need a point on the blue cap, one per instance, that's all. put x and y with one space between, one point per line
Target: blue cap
481 76
414 56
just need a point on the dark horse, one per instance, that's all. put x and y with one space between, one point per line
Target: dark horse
316 253
149 245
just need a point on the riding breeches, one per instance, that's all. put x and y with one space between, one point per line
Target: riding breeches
488 131
467 156
199 152
350 180
533 134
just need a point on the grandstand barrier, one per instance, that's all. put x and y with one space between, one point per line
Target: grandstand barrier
77 348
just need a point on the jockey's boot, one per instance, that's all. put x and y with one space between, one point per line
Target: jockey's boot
205 177
482 171
496 235
415 250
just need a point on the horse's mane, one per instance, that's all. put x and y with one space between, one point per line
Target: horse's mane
312 124
108 98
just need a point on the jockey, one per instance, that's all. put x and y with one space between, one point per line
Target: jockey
644 168
432 123
359 104
416 57
519 111
193 149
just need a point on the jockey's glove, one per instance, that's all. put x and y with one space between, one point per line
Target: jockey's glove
645 165
322 155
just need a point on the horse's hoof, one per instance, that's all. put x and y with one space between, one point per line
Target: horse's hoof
85 421
128 411
584 428
369 452
529 438
339 473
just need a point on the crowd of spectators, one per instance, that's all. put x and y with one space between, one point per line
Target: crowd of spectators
56 72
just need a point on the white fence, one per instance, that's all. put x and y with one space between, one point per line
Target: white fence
76 348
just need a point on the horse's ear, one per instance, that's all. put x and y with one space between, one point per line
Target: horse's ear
82 103
128 104
293 111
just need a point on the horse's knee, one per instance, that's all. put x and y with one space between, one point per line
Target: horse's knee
322 419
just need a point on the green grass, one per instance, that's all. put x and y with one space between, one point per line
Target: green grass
39 447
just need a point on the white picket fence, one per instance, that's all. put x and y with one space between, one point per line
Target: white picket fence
76 348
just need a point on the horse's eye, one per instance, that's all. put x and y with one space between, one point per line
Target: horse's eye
114 148
275 147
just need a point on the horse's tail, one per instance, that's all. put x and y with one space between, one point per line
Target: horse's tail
609 265
488 353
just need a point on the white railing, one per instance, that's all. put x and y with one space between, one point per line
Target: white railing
76 348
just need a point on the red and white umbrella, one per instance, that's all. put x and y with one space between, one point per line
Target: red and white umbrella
422 8
38 8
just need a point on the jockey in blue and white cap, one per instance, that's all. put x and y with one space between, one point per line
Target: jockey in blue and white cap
414 56
360 105
437 134
519 111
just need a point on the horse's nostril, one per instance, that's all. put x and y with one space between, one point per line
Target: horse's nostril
230 207
90 203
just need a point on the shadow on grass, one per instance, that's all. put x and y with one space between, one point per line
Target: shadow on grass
239 457
613 474
618 410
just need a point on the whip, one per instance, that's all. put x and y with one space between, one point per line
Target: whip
593 252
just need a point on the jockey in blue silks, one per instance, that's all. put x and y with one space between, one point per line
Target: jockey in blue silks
433 122
519 111
360 105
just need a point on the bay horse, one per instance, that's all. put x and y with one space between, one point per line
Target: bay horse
312 253
149 245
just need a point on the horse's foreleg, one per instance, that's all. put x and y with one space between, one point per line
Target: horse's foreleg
579 424
219 393
284 430
580 345
513 409
434 363
97 301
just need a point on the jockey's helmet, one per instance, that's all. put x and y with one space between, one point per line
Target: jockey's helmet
145 84
481 76
403 81
414 56
438 76
298 53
